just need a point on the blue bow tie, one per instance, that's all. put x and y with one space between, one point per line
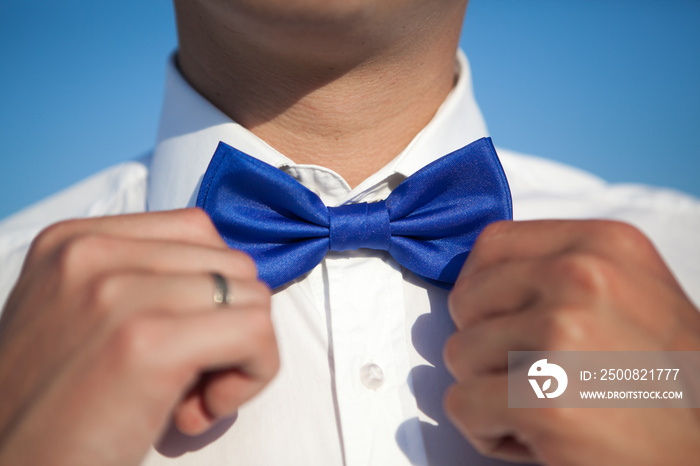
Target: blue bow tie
428 223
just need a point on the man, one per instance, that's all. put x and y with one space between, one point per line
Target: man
111 330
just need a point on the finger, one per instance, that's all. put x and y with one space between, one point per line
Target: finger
479 410
482 349
507 241
217 396
221 391
94 293
618 242
186 225
83 257
179 349
121 293
502 288
191 416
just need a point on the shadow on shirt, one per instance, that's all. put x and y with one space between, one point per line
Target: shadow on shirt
174 443
444 445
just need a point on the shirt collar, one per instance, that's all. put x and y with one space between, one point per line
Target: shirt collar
191 128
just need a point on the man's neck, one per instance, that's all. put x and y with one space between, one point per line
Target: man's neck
338 95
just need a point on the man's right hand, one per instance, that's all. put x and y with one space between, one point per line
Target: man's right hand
112 330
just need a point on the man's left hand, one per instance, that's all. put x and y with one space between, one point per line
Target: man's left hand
566 286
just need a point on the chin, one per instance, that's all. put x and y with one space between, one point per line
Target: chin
310 12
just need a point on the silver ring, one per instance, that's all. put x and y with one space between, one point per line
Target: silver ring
221 295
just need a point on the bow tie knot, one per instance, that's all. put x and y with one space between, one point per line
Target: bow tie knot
363 225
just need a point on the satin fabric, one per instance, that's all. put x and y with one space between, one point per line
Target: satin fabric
428 223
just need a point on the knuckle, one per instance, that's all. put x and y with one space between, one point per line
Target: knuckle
555 322
486 246
457 301
565 328
196 217
451 352
103 292
486 238
261 326
622 236
260 332
583 272
49 238
243 263
261 295
201 222
454 404
625 241
44 240
81 251
495 229
58 230
453 300
618 231
133 340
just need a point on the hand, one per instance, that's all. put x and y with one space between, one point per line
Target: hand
112 330
566 286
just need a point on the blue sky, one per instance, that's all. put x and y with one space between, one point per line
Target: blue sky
611 86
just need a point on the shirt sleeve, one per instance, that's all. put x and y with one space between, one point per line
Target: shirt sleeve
117 190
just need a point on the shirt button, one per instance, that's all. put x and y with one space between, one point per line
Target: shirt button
372 376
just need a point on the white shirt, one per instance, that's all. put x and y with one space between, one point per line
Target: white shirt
360 338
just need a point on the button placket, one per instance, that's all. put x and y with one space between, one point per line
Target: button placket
364 335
